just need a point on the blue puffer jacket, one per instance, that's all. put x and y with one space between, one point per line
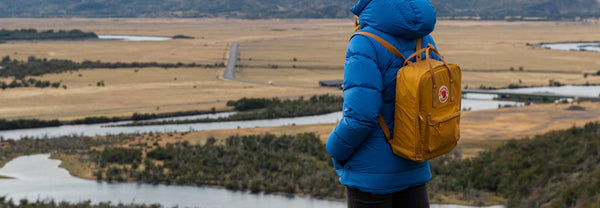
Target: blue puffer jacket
361 156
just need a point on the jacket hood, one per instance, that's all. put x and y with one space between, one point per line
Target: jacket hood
408 19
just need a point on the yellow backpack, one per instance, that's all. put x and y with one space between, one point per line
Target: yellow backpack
427 106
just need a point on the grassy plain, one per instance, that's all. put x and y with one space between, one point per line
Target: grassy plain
288 52
148 90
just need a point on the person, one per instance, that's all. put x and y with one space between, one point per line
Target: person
363 160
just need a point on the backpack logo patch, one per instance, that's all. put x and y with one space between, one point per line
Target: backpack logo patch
443 94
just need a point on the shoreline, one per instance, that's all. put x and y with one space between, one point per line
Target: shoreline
98 39
449 198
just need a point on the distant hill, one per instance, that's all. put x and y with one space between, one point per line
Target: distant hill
259 9
252 9
499 9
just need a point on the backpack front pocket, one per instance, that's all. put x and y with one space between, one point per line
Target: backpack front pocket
443 132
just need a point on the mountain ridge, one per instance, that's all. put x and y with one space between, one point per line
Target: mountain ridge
264 9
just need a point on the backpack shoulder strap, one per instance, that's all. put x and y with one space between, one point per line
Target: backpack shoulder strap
383 42
419 42
393 50
384 127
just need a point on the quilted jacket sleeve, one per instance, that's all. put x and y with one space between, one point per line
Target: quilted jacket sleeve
362 99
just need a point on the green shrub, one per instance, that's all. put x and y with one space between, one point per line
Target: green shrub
121 155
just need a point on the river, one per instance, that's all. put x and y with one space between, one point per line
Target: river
37 177
471 102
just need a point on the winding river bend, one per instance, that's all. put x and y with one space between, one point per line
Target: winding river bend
37 177
470 101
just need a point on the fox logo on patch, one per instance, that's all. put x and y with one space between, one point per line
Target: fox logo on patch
443 94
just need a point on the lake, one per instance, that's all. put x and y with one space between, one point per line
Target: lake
37 177
590 46
133 38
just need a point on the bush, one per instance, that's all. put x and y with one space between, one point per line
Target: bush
286 163
528 172
35 67
161 153
32 34
182 37
121 155
27 123
245 104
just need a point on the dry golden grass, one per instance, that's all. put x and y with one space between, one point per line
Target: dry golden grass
500 45
75 166
474 80
486 50
481 130
149 90
288 76
213 37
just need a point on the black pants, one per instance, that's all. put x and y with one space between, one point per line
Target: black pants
415 197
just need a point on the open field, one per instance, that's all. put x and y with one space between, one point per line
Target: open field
150 90
290 52
485 50
481 130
